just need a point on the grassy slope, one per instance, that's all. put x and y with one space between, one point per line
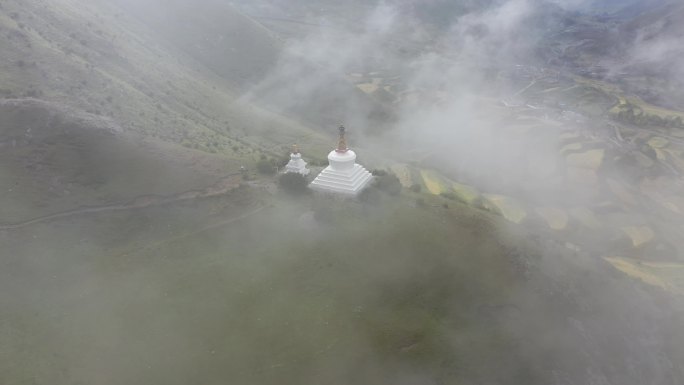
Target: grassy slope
278 299
99 58
214 33
55 159
97 66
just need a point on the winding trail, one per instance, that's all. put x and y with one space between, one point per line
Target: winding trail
225 185
213 226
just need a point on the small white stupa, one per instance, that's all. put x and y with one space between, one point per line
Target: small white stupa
343 175
296 163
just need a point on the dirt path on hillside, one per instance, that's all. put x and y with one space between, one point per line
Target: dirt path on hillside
213 226
222 187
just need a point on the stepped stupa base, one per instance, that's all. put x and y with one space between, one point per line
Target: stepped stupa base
349 182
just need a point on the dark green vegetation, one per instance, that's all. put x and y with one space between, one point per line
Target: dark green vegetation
266 166
387 182
294 183
224 289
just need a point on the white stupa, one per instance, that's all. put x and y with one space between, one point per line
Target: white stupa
343 175
296 164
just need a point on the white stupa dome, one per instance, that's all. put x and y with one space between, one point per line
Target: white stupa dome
341 161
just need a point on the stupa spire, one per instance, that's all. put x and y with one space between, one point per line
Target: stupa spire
342 143
295 149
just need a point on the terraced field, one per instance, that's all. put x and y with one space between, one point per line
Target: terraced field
432 182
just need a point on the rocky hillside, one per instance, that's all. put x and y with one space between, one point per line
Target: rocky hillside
104 60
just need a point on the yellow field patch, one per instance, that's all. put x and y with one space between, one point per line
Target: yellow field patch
432 182
619 106
368 88
664 265
508 207
636 102
672 207
571 147
591 159
557 219
658 142
581 176
466 193
654 110
634 270
640 235
674 204
403 173
551 90
568 135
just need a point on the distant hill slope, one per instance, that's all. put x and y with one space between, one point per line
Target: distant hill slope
657 22
653 47
213 33
640 48
102 59
624 7
256 62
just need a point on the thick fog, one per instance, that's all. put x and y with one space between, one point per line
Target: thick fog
199 282
452 77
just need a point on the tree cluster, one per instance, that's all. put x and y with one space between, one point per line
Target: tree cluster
293 183
389 183
266 166
627 115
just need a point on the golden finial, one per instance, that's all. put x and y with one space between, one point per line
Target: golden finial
295 149
342 144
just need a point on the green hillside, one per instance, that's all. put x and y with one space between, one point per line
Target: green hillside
56 159
232 289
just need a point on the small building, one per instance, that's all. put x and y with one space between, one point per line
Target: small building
343 175
296 164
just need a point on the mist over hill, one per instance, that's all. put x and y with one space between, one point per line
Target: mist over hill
214 33
523 226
